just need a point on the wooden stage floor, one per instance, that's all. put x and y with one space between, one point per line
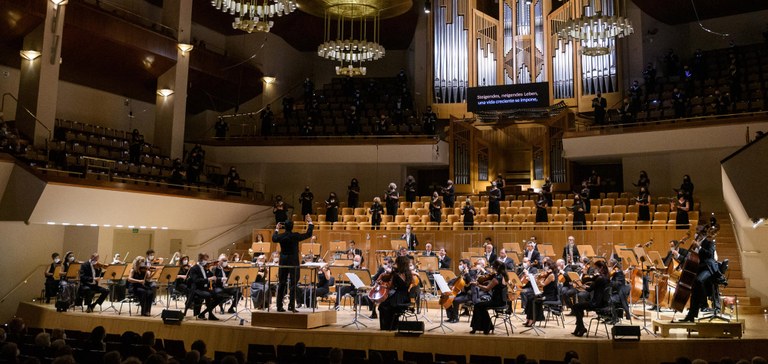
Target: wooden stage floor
551 345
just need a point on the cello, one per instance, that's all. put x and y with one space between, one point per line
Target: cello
446 300
380 291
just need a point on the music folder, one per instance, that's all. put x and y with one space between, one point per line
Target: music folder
442 285
356 281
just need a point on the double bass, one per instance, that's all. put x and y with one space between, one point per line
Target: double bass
446 300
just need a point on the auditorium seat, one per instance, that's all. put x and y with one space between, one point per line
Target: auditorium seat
530 218
422 211
483 211
512 210
399 218
347 211
362 218
557 203
662 207
516 203
458 226
567 202
601 217
445 226
453 218
424 219
484 225
432 226
480 218
391 226
616 216
518 218
524 210
386 219
499 226
605 209
408 212
492 218
612 195
529 203
608 202
338 225
659 224
352 225
405 204
360 211
628 224
348 218
558 218
660 215
622 201
413 219
505 218
620 208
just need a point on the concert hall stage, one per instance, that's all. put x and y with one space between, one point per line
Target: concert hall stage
552 345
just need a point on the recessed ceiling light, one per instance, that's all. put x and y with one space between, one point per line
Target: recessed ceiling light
154 228
119 226
80 224
51 223
164 228
142 227
95 225
131 226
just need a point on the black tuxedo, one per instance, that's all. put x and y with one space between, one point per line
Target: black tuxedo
444 263
197 280
289 256
428 254
89 285
509 264
490 258
534 257
575 254
410 240
223 292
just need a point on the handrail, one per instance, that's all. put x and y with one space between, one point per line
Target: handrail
252 113
238 225
670 121
23 282
50 133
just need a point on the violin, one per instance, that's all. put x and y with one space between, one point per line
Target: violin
485 278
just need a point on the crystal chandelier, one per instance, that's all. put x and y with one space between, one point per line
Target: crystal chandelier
595 32
255 15
351 37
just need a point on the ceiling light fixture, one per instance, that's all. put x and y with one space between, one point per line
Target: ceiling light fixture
255 15
269 80
427 7
595 31
351 36
29 54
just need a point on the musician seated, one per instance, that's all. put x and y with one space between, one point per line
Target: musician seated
495 284
443 261
464 296
506 260
428 252
258 287
546 282
180 283
199 280
477 294
351 290
140 285
598 298
90 274
619 289
322 287
522 272
567 291
222 288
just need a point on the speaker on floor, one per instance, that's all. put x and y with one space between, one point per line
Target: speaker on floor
625 333
172 317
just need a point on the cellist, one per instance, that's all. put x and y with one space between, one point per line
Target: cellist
400 278
464 296
708 274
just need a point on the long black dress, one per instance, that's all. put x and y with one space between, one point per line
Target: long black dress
392 198
353 195
469 216
306 199
481 319
332 210
541 211
681 220
579 217
643 211
494 208
397 300
435 211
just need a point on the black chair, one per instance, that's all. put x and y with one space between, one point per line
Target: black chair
554 309
258 353
320 351
418 358
218 356
174 348
284 352
459 359
605 314
503 312
484 359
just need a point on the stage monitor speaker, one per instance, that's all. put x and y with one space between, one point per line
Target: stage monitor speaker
410 328
172 317
625 333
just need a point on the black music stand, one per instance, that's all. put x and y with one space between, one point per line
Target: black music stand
113 272
537 296
167 276
238 273
644 296
361 290
442 285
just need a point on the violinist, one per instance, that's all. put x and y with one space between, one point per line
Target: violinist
90 273
463 296
175 258
235 258
222 288
619 289
180 284
400 279
138 279
597 300
443 261
199 281
117 260
51 284
533 255
258 287
506 260
547 283
495 284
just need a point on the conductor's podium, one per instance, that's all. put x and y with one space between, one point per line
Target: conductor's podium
710 329
290 320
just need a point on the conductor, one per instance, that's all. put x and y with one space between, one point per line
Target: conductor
289 260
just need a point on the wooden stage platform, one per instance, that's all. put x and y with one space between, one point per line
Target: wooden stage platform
552 345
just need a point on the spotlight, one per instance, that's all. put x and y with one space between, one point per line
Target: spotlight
427 6
758 223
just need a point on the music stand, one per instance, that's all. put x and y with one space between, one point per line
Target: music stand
657 260
476 250
167 277
310 249
111 273
537 295
514 281
361 288
342 263
263 248
586 250
442 285
396 244
629 254
512 247
309 272
57 272
272 276
428 264
238 275
547 250
338 246
154 278
514 257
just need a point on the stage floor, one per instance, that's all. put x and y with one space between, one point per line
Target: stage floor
551 344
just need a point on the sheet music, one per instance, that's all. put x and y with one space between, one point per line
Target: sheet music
356 281
313 264
534 286
442 285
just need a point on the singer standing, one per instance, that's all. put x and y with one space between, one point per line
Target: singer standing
289 260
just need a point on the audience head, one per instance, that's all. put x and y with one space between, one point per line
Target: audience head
43 340
98 334
148 338
160 359
112 357
65 359
199 346
759 360
570 355
192 357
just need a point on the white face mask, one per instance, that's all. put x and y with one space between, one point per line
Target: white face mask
71 259
356 264
151 258
57 260
224 264
203 262
184 262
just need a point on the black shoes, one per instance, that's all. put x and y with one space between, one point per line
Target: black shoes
201 316
280 309
211 317
231 310
686 319
473 331
374 315
580 331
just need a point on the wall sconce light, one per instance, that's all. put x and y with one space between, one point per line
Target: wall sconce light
756 223
164 92
427 6
29 55
185 48
268 80
59 2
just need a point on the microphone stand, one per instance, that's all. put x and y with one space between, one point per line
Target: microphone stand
645 276
112 285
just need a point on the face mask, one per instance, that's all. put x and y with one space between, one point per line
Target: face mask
71 259
203 262
151 257
461 267
237 259
356 264
224 264
57 260
184 262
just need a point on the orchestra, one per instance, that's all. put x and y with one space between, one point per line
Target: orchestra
582 282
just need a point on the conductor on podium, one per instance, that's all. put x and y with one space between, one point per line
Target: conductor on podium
289 260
